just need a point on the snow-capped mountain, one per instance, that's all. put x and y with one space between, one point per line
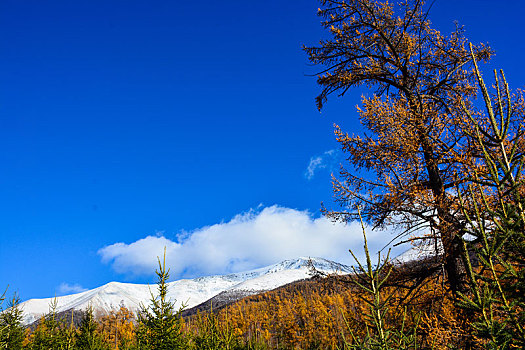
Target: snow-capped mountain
190 292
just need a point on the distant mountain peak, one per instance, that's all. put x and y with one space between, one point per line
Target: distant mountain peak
191 292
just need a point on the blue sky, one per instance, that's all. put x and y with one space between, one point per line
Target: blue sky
129 125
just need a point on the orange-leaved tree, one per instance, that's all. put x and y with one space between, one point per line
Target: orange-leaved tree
416 151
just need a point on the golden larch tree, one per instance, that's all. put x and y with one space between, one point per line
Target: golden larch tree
405 169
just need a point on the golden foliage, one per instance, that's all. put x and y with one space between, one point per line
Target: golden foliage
419 149
319 314
117 328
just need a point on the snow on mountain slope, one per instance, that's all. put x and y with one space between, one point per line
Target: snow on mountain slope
189 292
422 251
289 271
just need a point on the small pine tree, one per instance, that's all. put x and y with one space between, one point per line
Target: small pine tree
12 333
49 333
88 337
160 325
380 335
495 298
212 334
68 334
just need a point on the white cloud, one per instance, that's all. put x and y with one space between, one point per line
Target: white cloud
249 240
66 288
326 160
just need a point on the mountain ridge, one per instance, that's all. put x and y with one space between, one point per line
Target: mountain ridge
190 292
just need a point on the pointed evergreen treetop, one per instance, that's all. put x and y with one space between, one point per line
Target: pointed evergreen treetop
160 325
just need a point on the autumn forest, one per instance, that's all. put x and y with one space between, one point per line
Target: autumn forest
442 160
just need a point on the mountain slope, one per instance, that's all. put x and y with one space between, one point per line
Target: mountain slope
190 292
